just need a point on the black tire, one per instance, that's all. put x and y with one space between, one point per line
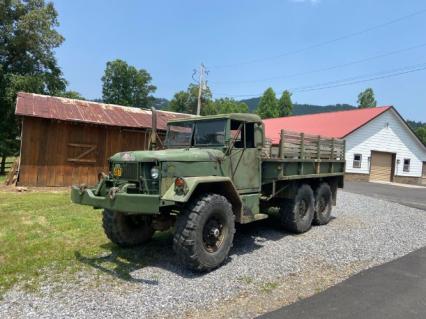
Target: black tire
127 230
297 215
204 232
323 204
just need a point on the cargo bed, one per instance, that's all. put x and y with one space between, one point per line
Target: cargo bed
299 156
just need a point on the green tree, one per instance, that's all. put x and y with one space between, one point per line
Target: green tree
268 105
208 108
123 84
421 133
285 105
186 101
27 62
179 103
72 95
227 105
366 99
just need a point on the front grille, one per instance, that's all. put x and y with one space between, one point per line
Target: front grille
129 171
139 173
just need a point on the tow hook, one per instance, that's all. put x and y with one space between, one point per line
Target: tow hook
112 192
82 188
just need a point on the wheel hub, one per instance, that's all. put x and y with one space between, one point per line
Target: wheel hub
213 234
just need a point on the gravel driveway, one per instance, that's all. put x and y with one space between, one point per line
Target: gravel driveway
267 269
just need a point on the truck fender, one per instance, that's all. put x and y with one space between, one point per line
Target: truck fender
207 184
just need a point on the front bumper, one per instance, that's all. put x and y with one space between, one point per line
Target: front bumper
122 202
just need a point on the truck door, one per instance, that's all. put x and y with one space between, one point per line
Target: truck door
244 157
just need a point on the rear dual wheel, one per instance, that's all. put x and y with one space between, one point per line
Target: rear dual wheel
323 204
297 214
307 208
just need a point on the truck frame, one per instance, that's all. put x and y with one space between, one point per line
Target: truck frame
214 172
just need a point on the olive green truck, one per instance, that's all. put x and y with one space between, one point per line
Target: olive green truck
214 172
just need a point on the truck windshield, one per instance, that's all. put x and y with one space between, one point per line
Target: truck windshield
209 133
179 134
196 133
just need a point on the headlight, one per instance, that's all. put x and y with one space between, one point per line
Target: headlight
155 172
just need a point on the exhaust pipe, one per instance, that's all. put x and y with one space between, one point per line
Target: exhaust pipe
154 129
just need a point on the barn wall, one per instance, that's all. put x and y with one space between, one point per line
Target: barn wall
386 133
57 153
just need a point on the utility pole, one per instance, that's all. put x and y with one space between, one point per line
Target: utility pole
201 83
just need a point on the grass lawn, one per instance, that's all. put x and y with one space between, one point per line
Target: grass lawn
41 230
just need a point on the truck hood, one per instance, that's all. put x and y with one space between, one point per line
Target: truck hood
179 155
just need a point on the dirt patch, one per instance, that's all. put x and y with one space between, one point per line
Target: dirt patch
32 220
14 189
268 296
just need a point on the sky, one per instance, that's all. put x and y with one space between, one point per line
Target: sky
324 51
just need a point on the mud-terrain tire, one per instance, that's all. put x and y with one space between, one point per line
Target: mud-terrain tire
204 232
297 214
323 204
127 230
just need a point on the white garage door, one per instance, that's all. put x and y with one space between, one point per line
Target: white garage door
381 166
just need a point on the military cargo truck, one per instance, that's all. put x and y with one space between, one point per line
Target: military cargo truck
214 172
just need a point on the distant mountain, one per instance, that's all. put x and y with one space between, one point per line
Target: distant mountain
300 109
160 103
251 103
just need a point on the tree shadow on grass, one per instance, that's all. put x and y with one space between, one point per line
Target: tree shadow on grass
122 262
158 253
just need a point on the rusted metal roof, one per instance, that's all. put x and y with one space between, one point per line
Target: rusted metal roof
64 109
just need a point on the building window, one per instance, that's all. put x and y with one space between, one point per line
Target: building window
406 167
357 161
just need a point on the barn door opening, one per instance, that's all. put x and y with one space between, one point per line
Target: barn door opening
381 166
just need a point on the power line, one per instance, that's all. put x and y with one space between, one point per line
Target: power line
323 69
320 44
348 81
354 78
420 68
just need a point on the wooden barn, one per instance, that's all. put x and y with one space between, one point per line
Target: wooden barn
66 141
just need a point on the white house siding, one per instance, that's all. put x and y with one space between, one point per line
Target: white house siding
386 133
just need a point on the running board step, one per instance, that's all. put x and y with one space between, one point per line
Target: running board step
252 218
260 216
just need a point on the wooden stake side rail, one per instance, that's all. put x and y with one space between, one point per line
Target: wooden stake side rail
294 145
